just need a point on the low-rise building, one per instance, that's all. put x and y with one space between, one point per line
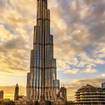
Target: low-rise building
90 95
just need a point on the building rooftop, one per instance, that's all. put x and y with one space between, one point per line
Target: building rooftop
89 88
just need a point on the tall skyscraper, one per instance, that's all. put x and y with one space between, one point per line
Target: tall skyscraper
16 95
42 80
1 95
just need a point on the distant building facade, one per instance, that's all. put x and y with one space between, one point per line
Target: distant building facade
103 85
63 93
16 95
62 96
1 95
90 95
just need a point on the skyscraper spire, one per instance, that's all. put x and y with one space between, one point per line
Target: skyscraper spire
41 9
42 79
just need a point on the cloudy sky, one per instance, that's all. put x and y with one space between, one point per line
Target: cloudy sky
78 27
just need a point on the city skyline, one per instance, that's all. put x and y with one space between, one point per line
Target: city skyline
78 28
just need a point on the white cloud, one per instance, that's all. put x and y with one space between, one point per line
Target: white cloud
71 71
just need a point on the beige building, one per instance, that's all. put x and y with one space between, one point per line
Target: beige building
90 95
42 80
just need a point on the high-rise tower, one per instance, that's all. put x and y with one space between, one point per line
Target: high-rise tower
42 80
16 95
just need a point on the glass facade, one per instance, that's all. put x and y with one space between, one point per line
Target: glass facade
40 79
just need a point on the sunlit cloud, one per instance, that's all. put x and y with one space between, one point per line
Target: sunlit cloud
71 71
78 29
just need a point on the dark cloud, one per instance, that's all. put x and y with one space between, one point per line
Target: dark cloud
3 3
16 43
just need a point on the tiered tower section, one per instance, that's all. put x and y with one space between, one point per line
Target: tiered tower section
42 80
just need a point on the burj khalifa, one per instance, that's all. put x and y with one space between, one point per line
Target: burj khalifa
42 80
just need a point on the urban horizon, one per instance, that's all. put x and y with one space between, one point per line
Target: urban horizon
71 88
